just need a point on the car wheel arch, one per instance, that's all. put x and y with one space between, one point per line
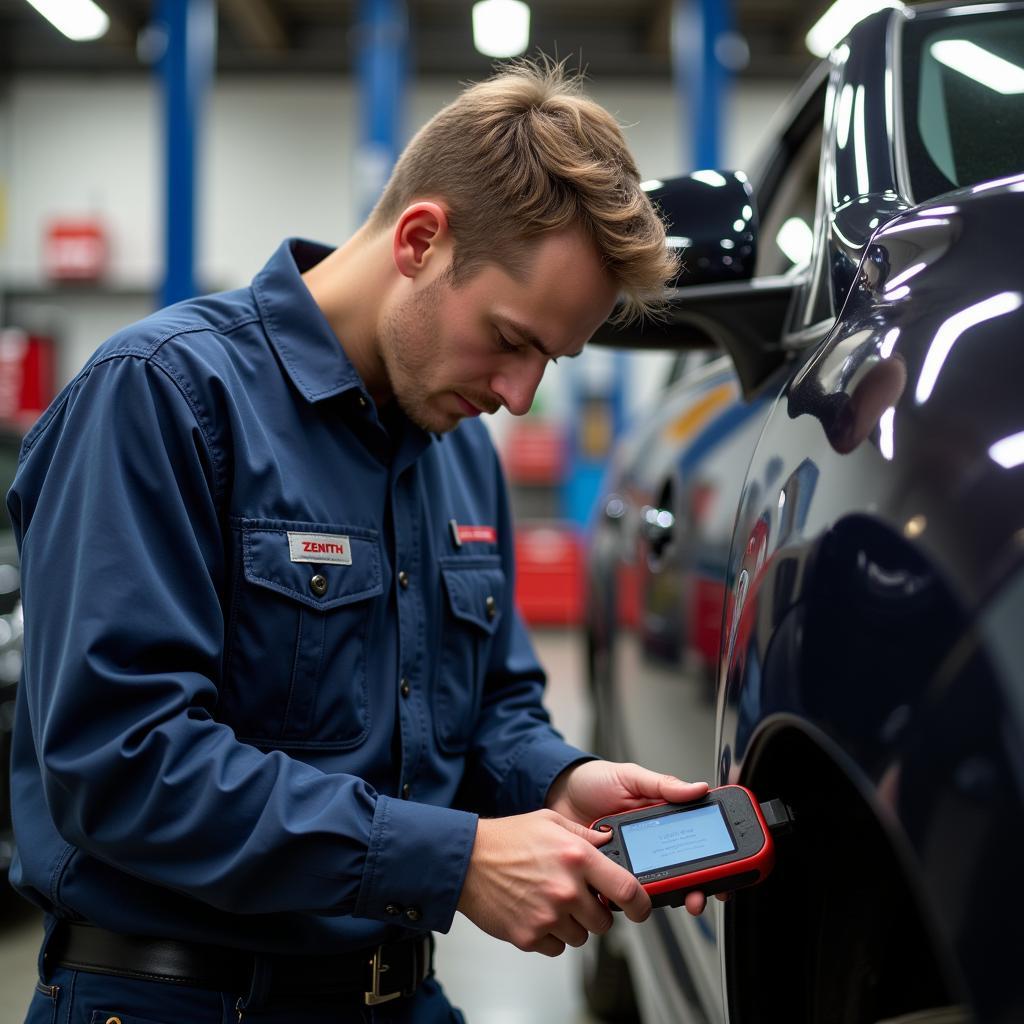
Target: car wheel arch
841 902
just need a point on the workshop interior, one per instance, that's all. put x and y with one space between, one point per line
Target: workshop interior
769 537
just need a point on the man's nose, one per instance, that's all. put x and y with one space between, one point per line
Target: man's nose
516 386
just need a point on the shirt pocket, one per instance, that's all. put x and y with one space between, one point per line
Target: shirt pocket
473 599
297 656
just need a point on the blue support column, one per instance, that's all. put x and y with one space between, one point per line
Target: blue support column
597 419
381 66
186 70
700 78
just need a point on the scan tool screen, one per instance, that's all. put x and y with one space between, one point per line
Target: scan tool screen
676 838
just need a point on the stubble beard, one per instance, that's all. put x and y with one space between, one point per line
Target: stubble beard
408 337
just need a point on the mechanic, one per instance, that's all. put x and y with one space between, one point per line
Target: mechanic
279 718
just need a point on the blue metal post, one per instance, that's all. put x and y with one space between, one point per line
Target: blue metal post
605 400
700 78
381 62
186 70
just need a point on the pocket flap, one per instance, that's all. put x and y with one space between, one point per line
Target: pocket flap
476 590
270 549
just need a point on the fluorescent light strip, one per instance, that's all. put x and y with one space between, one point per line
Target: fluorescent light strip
887 433
835 24
80 20
905 276
980 64
860 144
1009 452
844 116
949 333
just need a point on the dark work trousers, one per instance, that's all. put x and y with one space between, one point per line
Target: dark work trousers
64 996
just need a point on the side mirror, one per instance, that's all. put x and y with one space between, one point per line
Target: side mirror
715 302
711 218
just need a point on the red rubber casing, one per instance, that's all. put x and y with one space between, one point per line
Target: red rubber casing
745 870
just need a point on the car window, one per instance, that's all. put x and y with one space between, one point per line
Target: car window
786 232
963 82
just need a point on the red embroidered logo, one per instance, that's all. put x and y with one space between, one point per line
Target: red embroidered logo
478 535
315 547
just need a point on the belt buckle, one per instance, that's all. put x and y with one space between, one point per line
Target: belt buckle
378 968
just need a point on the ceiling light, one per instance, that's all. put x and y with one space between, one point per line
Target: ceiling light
835 24
980 64
80 20
501 28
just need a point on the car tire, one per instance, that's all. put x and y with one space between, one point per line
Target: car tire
607 982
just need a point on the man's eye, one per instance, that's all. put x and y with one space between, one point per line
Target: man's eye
505 345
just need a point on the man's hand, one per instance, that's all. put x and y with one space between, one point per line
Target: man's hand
588 791
532 880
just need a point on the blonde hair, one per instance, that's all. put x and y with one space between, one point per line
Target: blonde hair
525 153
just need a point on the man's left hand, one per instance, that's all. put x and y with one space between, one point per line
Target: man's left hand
587 791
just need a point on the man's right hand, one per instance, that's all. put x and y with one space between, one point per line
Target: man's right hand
532 880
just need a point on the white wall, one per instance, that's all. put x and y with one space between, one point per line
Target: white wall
278 160
5 177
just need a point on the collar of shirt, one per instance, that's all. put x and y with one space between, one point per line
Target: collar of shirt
298 330
311 352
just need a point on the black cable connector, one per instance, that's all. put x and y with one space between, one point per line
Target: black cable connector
778 816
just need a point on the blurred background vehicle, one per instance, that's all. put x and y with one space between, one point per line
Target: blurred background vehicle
806 571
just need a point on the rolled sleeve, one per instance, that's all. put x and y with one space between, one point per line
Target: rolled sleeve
416 864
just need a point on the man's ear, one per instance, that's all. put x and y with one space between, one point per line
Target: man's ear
421 237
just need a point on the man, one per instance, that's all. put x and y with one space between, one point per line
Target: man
273 672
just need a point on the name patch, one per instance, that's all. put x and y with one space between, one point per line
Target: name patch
477 535
319 547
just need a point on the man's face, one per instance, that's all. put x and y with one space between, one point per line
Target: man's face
453 352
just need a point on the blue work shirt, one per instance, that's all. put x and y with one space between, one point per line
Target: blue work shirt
267 684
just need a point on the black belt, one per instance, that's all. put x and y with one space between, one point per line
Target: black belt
381 974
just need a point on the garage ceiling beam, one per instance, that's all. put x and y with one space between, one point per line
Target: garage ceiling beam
258 23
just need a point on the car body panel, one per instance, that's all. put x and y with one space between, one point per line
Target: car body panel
846 553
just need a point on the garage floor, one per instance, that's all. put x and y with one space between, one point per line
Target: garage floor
491 981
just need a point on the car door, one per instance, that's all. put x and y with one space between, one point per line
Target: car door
684 491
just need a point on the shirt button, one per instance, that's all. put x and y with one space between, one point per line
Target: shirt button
403 580
406 791
362 402
413 914
318 584
393 909
492 607
405 689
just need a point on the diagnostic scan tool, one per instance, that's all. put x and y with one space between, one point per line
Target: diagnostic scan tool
720 843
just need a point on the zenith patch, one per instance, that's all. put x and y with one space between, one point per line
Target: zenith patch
320 547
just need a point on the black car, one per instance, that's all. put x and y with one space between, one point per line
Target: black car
806 574
10 643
